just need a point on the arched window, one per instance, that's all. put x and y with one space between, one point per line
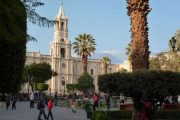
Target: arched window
62 40
62 25
62 52
92 71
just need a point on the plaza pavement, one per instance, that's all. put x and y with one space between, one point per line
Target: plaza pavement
23 112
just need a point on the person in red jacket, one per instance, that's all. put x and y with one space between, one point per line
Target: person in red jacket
50 108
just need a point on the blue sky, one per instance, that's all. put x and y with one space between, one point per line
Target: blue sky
108 23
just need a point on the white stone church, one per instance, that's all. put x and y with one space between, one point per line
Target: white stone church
68 68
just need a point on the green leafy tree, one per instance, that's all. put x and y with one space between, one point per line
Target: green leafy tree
37 73
85 83
13 44
152 85
41 86
84 45
71 87
166 61
106 61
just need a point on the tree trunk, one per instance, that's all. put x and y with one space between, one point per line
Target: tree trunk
84 60
136 109
138 10
135 114
105 68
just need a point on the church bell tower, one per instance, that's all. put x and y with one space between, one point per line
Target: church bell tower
60 51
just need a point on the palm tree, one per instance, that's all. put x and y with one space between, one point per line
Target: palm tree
138 11
84 45
106 61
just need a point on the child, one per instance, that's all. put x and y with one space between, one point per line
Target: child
50 108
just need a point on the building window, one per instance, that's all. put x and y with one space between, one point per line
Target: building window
62 52
62 40
62 25
92 72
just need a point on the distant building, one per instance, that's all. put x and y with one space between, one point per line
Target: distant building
68 68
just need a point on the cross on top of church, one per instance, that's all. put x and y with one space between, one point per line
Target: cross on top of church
61 2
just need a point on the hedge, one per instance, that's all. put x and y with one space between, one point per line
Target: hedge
126 115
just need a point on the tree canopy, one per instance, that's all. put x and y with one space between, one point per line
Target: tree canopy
84 46
139 84
13 44
165 61
85 83
38 72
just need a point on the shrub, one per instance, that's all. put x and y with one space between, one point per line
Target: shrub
126 115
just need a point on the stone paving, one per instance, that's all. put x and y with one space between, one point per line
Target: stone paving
23 112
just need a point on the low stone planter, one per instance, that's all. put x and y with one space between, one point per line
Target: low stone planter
126 106
170 106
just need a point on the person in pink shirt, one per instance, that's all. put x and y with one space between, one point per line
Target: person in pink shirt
50 105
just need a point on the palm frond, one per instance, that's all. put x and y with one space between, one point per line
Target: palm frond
30 38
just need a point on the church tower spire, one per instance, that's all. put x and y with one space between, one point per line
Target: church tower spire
61 46
61 11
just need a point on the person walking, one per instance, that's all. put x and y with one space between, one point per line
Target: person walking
14 102
95 101
88 108
55 99
8 100
107 98
42 105
31 100
50 106
73 104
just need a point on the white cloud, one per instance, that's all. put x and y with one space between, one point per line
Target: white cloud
111 52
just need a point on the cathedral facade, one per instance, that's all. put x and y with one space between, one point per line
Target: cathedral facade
68 68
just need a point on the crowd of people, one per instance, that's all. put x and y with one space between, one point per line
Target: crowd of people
41 102
8 101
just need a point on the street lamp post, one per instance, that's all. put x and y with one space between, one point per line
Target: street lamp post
90 87
63 84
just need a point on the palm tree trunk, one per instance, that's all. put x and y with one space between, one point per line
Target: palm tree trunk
84 60
105 68
136 109
138 11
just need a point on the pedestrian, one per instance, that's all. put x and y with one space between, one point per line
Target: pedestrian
146 112
73 104
14 102
95 101
88 107
50 106
148 109
31 100
2 101
42 105
8 100
55 99
107 98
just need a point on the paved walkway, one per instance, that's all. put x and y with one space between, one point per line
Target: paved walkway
23 112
